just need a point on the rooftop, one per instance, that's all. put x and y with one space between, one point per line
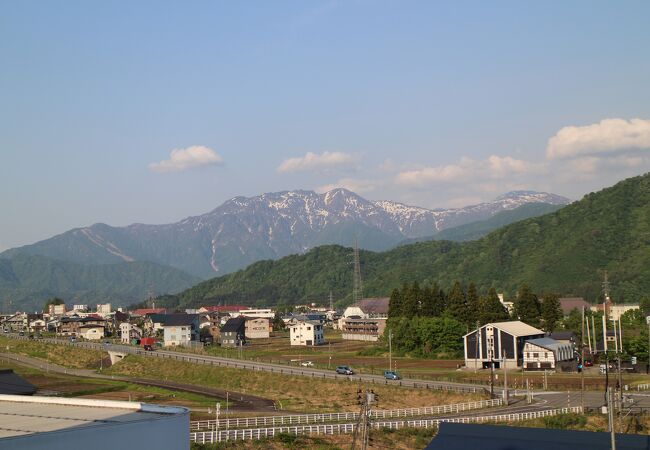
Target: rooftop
20 416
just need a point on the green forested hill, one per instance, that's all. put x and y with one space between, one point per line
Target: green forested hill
27 281
565 251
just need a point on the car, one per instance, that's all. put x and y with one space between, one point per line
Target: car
307 364
391 375
344 370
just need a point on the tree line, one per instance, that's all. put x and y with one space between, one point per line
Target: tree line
428 321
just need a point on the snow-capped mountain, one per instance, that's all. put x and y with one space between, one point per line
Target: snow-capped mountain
247 229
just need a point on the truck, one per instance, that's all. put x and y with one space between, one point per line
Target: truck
148 343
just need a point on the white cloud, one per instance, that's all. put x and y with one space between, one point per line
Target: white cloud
468 169
315 162
187 158
607 136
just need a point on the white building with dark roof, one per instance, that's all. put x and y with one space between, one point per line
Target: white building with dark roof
499 343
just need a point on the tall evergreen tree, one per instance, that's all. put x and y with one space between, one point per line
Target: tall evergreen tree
491 309
527 307
411 301
395 304
472 303
457 307
551 311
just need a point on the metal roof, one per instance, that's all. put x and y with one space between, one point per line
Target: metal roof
20 416
457 436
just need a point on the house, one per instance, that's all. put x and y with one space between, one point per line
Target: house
365 320
568 304
498 343
179 329
233 332
613 311
258 328
362 329
92 332
546 353
256 313
129 331
306 333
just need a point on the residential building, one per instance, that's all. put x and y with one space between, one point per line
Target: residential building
306 333
56 310
546 353
259 313
129 331
499 343
568 304
91 332
180 329
233 332
258 328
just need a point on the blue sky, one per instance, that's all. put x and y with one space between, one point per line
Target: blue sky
429 103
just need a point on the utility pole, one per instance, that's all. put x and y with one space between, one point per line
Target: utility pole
390 349
582 362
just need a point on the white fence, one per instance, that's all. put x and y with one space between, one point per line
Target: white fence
241 422
261 433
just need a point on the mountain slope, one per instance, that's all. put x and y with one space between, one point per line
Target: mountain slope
27 281
270 226
564 251
476 230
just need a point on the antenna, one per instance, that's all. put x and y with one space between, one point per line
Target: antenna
357 287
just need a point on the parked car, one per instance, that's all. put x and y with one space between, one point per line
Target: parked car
345 370
307 364
391 375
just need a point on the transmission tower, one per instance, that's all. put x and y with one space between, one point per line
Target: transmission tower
357 287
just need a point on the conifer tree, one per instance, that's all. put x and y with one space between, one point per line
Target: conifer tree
395 304
527 306
551 312
457 307
491 309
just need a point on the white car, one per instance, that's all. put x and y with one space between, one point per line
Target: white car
307 364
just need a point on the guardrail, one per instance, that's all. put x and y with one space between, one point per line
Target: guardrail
239 422
204 437
266 367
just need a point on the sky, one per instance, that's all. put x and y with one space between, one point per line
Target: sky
152 111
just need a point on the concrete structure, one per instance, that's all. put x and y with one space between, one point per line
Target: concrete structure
129 331
54 423
496 341
233 332
104 309
92 332
614 311
180 329
306 333
546 353
56 310
257 328
256 313
362 329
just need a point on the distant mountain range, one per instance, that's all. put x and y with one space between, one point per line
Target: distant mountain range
269 226
566 251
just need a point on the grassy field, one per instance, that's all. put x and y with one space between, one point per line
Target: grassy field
71 386
293 393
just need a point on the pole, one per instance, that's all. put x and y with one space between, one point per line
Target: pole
390 350
582 362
